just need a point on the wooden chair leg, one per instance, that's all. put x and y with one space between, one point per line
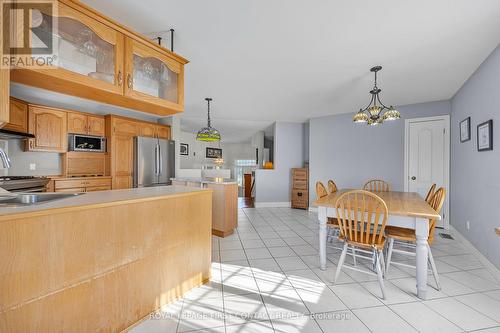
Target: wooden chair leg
341 262
389 255
380 275
433 268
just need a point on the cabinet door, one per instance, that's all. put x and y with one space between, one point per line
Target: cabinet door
50 129
148 130
163 132
123 159
125 127
121 182
77 123
18 117
88 52
96 125
153 76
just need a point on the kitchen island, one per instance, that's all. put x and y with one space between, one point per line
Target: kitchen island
224 203
102 261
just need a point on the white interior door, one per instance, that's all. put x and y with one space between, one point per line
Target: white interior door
427 157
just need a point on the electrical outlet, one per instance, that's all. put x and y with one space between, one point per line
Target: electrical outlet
467 225
32 166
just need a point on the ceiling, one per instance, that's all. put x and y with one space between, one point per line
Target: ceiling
291 60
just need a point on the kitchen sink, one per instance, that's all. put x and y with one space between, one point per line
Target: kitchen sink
27 199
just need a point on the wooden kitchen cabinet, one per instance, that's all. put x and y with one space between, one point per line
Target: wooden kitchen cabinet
102 60
163 132
148 130
82 123
50 129
18 119
84 184
120 132
153 76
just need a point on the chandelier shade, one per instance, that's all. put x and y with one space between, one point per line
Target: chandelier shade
376 112
208 134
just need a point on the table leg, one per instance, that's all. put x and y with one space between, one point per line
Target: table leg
322 237
422 233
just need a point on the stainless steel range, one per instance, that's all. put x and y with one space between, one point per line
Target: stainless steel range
23 183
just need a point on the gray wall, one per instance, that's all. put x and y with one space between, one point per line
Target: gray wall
475 184
275 185
351 153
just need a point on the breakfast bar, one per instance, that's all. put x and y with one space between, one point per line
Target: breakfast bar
102 261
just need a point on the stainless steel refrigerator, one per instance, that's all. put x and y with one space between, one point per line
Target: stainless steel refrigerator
154 161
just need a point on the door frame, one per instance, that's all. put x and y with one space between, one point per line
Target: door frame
446 118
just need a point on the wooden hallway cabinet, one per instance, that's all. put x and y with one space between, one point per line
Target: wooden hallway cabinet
300 188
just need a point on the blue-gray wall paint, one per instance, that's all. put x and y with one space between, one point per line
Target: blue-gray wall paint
351 154
275 185
475 179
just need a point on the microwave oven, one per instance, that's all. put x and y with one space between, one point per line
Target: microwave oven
89 143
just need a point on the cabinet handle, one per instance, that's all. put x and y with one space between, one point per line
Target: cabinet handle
129 81
31 144
120 78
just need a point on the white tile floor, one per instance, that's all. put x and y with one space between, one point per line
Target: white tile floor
266 278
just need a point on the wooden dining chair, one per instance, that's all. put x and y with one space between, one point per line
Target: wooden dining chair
362 217
430 193
377 185
332 223
406 237
332 187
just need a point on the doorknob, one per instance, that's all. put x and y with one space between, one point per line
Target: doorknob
413 178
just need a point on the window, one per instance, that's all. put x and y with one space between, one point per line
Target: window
242 166
245 163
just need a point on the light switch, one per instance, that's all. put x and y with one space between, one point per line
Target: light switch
32 166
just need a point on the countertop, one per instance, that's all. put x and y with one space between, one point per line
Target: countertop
101 199
205 180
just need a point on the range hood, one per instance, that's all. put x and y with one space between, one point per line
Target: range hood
7 135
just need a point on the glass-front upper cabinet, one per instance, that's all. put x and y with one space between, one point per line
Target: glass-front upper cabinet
153 75
88 51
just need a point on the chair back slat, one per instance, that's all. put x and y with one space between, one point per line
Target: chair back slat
332 187
362 216
377 185
430 194
436 202
320 190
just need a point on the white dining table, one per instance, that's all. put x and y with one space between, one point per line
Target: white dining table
406 209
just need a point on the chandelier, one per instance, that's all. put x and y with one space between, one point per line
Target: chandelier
376 112
208 134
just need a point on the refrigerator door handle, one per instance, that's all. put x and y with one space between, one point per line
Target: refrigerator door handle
156 159
160 160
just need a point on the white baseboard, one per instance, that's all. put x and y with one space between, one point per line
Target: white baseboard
273 204
313 209
489 266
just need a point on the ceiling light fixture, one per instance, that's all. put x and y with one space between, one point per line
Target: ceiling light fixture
375 114
208 134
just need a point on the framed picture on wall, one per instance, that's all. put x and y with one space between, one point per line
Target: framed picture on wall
465 130
214 153
485 136
184 149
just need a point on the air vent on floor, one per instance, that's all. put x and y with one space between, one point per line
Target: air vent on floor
446 236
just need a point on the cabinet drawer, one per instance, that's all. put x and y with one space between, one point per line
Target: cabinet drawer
98 182
299 173
98 188
298 195
300 184
74 183
68 184
72 190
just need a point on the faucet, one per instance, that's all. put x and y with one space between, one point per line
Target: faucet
5 159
